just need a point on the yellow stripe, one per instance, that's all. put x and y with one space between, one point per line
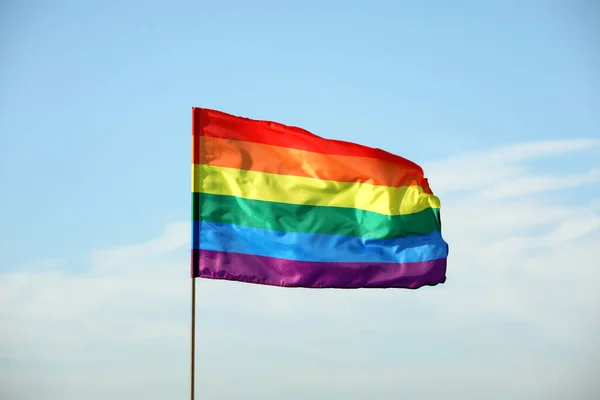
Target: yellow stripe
310 191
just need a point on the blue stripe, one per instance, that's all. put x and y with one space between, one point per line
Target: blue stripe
316 247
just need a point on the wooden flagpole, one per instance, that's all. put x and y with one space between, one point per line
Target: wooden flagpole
193 333
193 349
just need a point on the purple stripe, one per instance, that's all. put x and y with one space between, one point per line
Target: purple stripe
281 272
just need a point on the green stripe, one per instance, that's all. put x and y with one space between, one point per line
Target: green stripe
312 219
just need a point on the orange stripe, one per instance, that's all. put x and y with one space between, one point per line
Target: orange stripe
287 161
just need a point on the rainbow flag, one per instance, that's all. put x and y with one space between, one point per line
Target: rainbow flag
278 205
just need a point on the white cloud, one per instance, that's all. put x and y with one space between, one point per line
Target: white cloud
125 260
502 165
526 185
518 318
526 151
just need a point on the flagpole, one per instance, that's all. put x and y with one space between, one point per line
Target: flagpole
192 365
193 333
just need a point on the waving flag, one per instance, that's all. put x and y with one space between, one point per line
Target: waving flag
278 205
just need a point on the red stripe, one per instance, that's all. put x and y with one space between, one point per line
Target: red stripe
218 124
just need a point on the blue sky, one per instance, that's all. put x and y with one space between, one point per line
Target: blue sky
497 100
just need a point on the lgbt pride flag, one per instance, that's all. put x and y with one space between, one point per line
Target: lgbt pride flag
278 205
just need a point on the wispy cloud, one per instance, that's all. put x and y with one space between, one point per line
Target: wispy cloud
527 151
125 259
526 185
495 167
518 317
